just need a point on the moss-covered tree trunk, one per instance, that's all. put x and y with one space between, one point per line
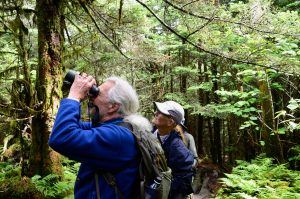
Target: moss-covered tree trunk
48 86
269 135
24 94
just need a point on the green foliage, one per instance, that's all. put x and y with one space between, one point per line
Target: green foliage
48 185
9 170
52 186
241 104
294 157
226 38
286 118
12 185
205 86
260 179
185 70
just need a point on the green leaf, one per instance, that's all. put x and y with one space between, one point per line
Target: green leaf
280 113
289 52
293 104
281 131
241 103
185 70
206 86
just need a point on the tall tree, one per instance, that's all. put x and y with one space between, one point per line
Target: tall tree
50 41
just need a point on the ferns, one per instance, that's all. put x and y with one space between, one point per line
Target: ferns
50 186
8 170
46 185
261 179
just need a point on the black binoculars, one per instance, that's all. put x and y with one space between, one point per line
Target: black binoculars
69 79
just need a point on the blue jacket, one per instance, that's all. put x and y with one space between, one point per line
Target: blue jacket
180 160
107 147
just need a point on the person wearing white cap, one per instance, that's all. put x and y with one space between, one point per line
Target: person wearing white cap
167 116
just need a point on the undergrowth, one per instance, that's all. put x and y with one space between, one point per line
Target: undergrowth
13 185
260 179
51 187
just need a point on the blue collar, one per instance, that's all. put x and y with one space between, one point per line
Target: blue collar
111 121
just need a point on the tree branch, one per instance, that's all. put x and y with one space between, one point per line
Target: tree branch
120 11
197 46
205 24
226 21
98 28
8 52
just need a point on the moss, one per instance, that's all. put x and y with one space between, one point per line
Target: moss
18 188
12 150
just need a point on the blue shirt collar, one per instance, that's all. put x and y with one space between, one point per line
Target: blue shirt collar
112 121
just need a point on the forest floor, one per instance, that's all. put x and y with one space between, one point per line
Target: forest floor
206 182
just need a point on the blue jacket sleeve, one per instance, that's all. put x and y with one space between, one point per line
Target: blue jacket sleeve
106 147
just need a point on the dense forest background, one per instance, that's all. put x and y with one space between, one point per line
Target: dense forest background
233 65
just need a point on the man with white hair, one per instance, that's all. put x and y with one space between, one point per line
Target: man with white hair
102 145
167 116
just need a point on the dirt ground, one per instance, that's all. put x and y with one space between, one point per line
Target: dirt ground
206 182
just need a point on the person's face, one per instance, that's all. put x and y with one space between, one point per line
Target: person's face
102 100
162 120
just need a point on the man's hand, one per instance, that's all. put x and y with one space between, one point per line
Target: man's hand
81 86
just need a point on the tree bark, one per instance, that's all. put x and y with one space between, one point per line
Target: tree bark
48 86
269 135
216 121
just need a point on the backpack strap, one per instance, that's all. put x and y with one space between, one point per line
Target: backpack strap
111 181
108 176
97 185
126 125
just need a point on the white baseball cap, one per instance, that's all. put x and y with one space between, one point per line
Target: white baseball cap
172 109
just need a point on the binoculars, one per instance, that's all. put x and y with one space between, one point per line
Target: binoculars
69 79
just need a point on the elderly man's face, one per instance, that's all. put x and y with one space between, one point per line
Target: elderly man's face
102 100
162 120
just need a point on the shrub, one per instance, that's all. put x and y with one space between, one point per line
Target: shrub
260 179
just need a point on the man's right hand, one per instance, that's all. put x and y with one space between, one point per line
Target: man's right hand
81 86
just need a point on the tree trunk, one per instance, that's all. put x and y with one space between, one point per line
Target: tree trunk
216 121
202 143
184 62
273 146
48 86
25 89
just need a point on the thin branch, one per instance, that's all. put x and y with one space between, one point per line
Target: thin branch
120 11
190 3
98 28
290 83
223 20
102 18
74 24
8 52
205 24
15 119
197 46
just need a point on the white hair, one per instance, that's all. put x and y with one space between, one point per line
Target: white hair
138 121
124 94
